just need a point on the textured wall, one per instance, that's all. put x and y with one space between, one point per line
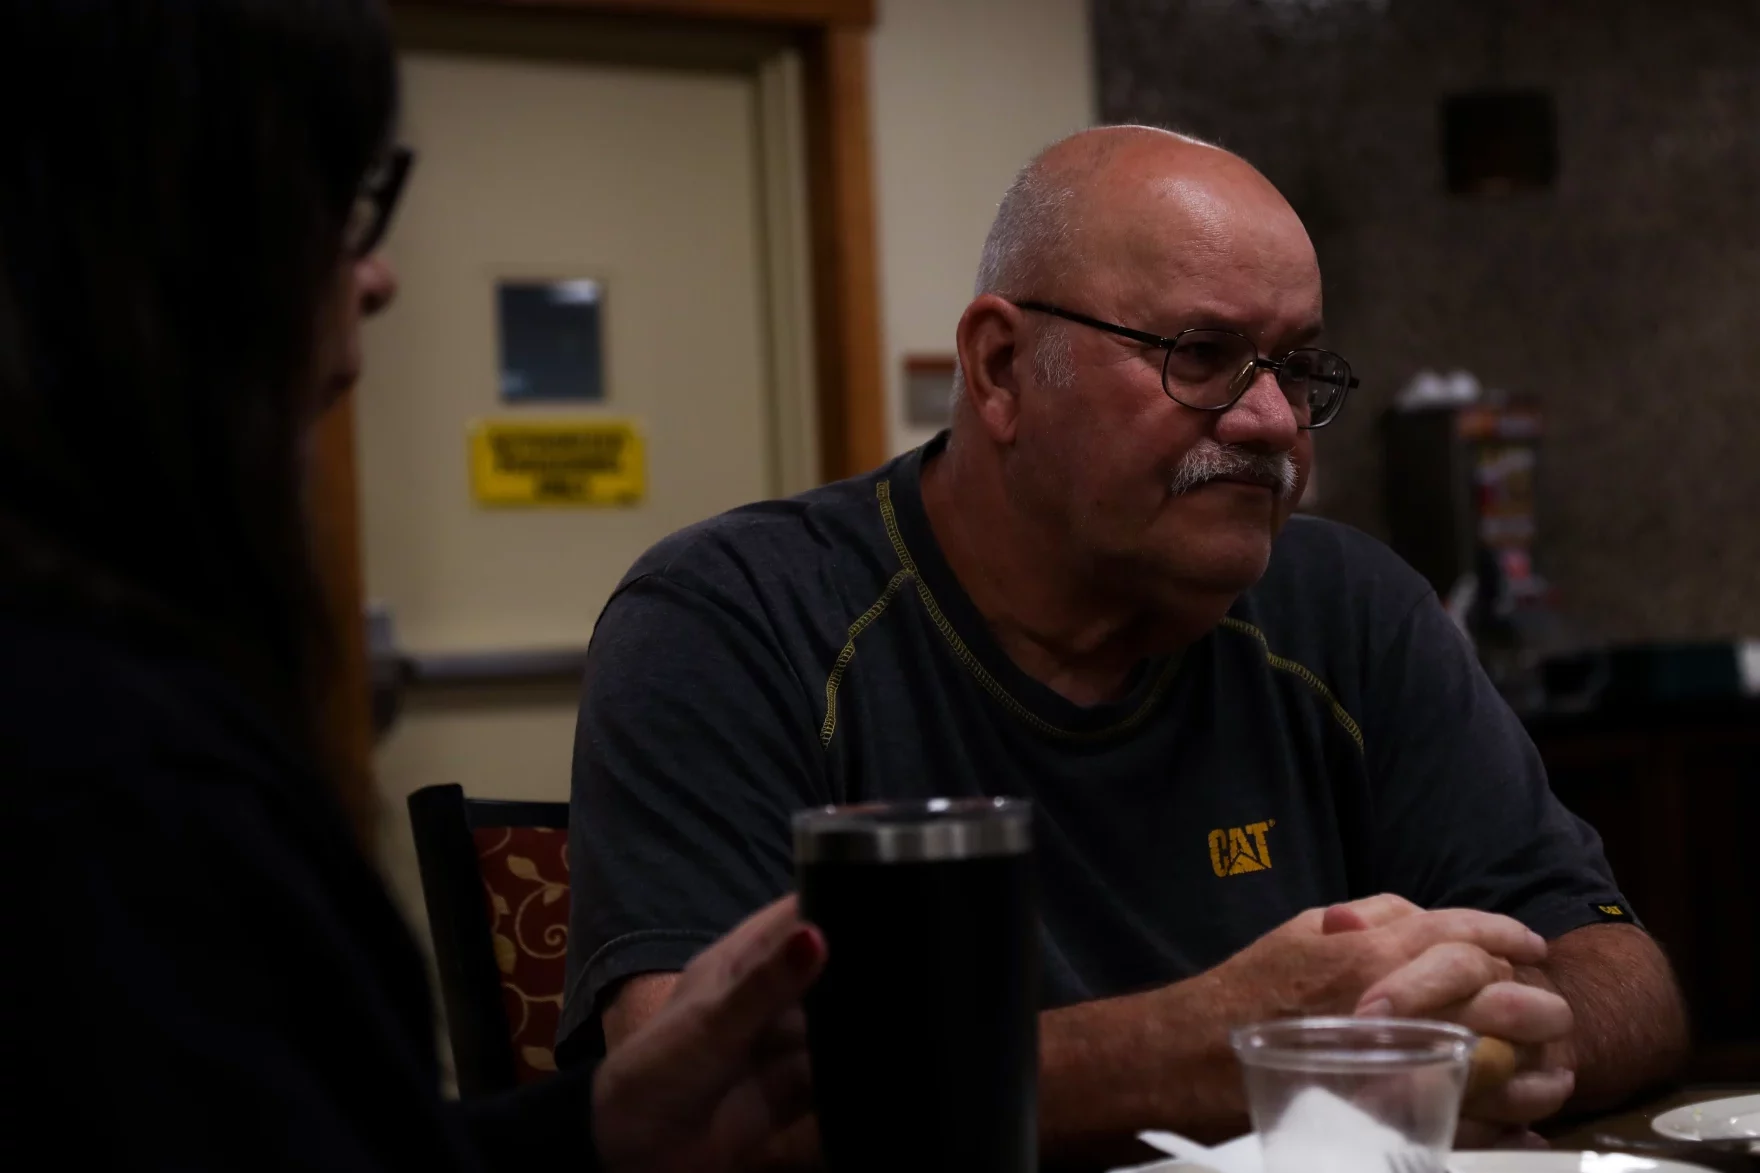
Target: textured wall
1627 299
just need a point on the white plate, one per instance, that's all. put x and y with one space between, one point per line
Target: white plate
1239 1157
1553 1162
1737 1118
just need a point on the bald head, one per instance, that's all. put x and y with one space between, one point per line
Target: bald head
1132 467
1131 207
1078 200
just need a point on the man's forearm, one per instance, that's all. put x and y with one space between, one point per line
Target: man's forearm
1158 1059
1631 1027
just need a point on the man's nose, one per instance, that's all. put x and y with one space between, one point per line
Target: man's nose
375 283
1261 418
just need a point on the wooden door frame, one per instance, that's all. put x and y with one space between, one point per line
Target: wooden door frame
831 36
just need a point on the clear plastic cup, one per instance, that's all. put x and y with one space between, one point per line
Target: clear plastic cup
1344 1095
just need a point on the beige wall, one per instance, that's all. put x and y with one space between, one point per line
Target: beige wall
964 92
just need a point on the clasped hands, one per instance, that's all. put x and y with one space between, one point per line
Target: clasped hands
1385 957
723 1068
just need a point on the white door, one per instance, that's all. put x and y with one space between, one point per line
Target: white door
659 185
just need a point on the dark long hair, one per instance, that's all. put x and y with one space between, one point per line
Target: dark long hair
175 176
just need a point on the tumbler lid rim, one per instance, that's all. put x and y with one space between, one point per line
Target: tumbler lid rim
914 831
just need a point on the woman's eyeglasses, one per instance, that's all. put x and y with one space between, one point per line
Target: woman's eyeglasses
370 215
1209 370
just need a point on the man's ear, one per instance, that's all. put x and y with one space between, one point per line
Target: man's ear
988 339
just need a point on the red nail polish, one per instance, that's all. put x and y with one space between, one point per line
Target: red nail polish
801 951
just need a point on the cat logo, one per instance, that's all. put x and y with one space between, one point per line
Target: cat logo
1611 909
1239 850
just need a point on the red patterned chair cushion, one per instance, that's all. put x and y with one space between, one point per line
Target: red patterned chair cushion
525 879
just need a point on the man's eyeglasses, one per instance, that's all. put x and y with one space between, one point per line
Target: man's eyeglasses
370 214
1209 370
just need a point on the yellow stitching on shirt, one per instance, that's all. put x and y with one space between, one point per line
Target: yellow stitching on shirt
990 684
849 653
1301 672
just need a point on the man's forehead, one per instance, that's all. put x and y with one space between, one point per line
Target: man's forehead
1183 245
1188 206
1189 220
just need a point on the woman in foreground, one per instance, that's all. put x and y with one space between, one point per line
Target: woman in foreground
204 972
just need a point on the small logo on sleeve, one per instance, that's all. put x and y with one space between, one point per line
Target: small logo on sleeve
1612 912
1235 851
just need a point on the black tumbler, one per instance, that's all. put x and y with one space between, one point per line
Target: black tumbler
924 1027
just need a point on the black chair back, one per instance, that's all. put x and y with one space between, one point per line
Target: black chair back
468 918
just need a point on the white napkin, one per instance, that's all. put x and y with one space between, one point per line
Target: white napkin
1331 1134
1326 1134
1240 1155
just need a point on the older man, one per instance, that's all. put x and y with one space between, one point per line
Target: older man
1271 777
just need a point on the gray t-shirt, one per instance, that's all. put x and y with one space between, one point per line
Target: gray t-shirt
1334 737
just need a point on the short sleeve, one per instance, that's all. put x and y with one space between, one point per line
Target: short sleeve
1460 810
696 744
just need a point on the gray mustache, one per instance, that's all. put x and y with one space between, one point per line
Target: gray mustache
1209 461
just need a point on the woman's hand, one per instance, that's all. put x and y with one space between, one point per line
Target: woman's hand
723 1067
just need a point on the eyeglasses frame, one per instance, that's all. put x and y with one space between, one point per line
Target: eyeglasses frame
384 187
1161 342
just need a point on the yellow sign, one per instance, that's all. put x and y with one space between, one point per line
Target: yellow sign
557 462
